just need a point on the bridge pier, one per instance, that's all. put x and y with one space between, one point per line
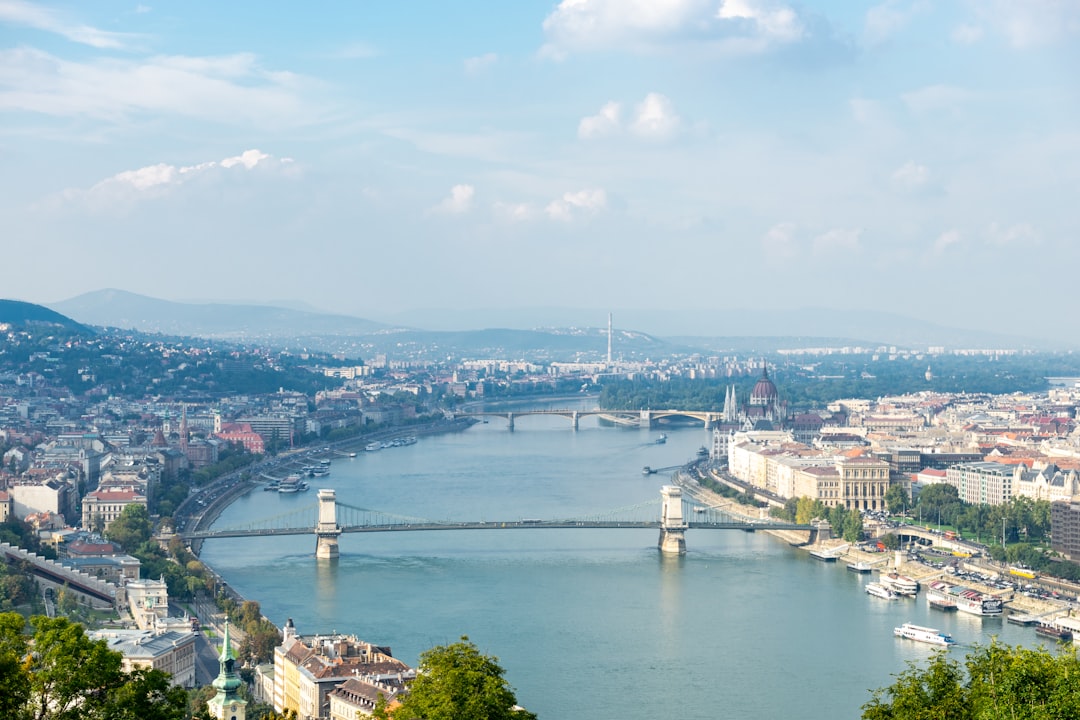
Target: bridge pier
327 531
672 525
645 420
574 419
510 420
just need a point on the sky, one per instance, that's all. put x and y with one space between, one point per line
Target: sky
919 157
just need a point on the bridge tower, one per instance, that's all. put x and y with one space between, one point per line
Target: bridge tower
327 530
672 525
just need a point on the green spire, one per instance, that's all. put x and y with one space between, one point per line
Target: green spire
227 681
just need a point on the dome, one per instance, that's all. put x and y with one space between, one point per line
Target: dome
764 392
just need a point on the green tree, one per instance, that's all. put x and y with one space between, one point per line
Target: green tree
808 509
457 682
996 681
132 528
896 499
853 527
58 673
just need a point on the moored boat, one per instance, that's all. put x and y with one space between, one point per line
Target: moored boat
824 555
899 583
291 484
1049 630
943 605
860 567
1022 619
880 591
966 599
919 633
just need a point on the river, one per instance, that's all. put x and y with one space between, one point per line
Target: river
587 623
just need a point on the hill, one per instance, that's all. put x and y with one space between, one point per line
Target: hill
129 311
21 314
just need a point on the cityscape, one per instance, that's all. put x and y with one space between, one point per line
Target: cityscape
565 358
123 449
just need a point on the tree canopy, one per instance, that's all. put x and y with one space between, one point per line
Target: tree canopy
58 673
995 681
457 682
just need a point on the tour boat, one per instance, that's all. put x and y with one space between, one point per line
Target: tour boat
898 583
879 590
924 634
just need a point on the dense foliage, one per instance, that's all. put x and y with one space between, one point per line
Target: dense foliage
132 365
457 682
808 385
58 673
995 681
845 523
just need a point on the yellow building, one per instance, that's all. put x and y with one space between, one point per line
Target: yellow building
308 668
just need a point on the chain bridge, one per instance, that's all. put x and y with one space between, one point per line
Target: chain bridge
644 418
671 513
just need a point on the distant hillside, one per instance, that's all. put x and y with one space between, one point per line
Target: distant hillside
129 311
722 328
23 314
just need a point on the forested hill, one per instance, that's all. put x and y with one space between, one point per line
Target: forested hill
21 314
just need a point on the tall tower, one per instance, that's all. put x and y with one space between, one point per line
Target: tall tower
184 432
227 703
609 339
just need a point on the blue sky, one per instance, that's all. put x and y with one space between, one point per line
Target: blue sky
371 158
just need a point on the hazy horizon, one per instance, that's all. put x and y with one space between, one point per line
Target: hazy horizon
671 156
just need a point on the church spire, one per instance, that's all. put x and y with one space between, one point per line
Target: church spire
227 703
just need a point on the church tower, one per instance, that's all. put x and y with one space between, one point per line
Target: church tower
227 703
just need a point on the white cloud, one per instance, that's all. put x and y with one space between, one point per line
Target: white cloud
592 200
772 22
1032 23
516 212
459 201
17 12
1019 234
738 26
936 98
967 34
779 243
838 240
655 118
480 63
946 240
885 20
231 89
911 175
156 180
605 122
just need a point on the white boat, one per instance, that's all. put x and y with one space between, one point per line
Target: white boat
924 634
860 567
966 599
879 590
900 584
291 484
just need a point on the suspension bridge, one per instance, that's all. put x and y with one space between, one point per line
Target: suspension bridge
671 513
